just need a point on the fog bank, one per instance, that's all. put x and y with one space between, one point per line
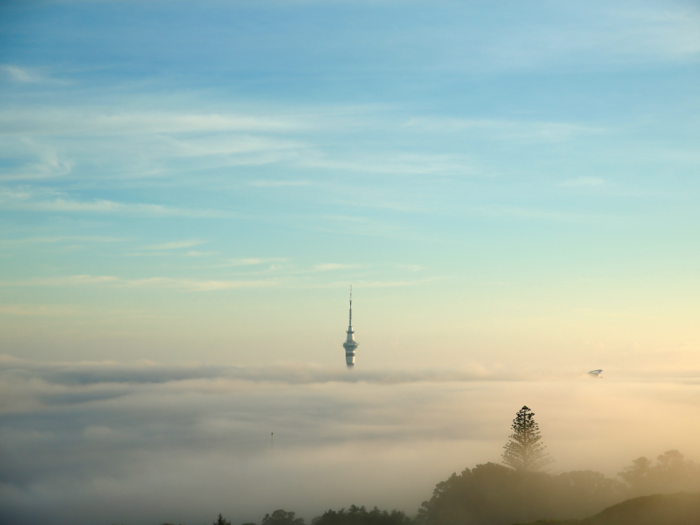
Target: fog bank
104 443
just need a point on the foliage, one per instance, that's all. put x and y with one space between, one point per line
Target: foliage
672 473
361 516
552 522
282 517
492 494
221 521
524 451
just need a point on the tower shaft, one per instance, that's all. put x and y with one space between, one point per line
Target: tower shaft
350 344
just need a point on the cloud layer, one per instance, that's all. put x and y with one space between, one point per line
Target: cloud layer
102 443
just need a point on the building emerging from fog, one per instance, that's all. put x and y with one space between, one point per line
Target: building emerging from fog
350 344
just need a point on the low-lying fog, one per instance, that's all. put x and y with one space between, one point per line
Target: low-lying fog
146 444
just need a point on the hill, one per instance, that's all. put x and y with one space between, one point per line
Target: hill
659 509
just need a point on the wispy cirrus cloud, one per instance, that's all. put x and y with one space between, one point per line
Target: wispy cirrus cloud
599 33
182 284
410 267
336 266
582 182
26 75
39 310
66 280
551 214
521 130
85 119
61 239
175 245
364 283
41 154
253 261
395 163
30 160
48 201
278 183
108 206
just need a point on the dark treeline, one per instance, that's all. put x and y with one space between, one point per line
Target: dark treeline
361 516
493 494
352 516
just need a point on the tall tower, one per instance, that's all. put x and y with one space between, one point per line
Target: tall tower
350 344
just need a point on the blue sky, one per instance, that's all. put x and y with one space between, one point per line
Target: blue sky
187 190
175 172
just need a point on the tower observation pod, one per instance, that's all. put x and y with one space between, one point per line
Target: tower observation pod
350 344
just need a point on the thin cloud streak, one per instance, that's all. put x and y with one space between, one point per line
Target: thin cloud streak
190 285
251 261
550 215
25 75
93 121
582 182
335 266
599 34
526 131
278 183
42 310
175 245
26 200
61 239
360 283
201 285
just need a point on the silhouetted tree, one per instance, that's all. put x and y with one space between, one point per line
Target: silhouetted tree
488 494
638 475
672 473
282 517
524 451
585 491
221 521
492 494
361 516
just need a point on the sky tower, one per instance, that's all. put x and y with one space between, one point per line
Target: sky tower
350 344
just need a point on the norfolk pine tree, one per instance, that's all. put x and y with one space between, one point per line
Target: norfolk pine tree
221 521
524 451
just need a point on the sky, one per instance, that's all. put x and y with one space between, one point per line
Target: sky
188 189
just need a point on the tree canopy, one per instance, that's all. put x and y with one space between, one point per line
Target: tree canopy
524 450
282 517
492 494
361 516
672 473
221 521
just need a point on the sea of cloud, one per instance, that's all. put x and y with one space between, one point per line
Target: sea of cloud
109 443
